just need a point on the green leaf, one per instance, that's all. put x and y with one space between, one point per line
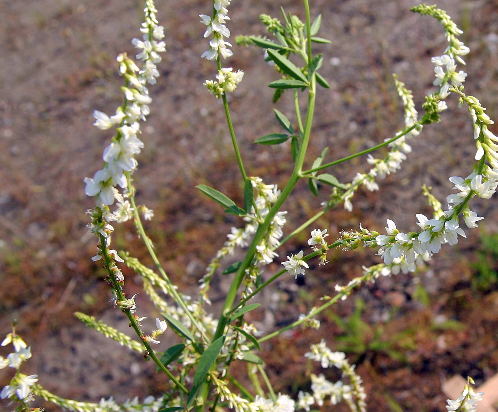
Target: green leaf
287 66
313 186
295 145
232 268
277 95
321 81
171 409
316 63
248 195
178 327
320 40
315 27
282 119
216 196
281 38
172 354
198 347
265 44
235 210
251 357
330 180
207 359
250 337
243 310
287 84
273 138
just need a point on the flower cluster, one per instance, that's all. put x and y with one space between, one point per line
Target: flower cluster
216 27
119 156
353 393
20 385
227 81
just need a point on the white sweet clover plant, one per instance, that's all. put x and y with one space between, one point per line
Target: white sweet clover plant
198 367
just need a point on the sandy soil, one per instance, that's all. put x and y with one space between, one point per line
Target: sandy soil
58 65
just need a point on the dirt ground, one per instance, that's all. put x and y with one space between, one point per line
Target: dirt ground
58 65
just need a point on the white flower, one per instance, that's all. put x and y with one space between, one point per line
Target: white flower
24 386
16 340
161 325
471 218
101 186
102 121
318 237
15 359
295 265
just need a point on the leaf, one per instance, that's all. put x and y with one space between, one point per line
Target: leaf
330 180
313 186
172 354
281 38
316 63
320 40
265 44
235 210
217 196
206 360
287 84
287 66
232 268
243 310
295 145
178 327
321 81
318 161
248 195
273 138
251 357
171 409
282 119
277 95
198 347
315 27
250 337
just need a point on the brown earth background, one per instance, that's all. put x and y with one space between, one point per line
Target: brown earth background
58 65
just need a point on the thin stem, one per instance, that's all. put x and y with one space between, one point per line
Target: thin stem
241 387
298 111
267 382
308 30
133 322
139 226
345 159
275 277
232 135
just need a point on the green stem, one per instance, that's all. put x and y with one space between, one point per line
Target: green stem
133 322
275 277
345 159
241 387
298 111
232 135
172 290
263 228
267 382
